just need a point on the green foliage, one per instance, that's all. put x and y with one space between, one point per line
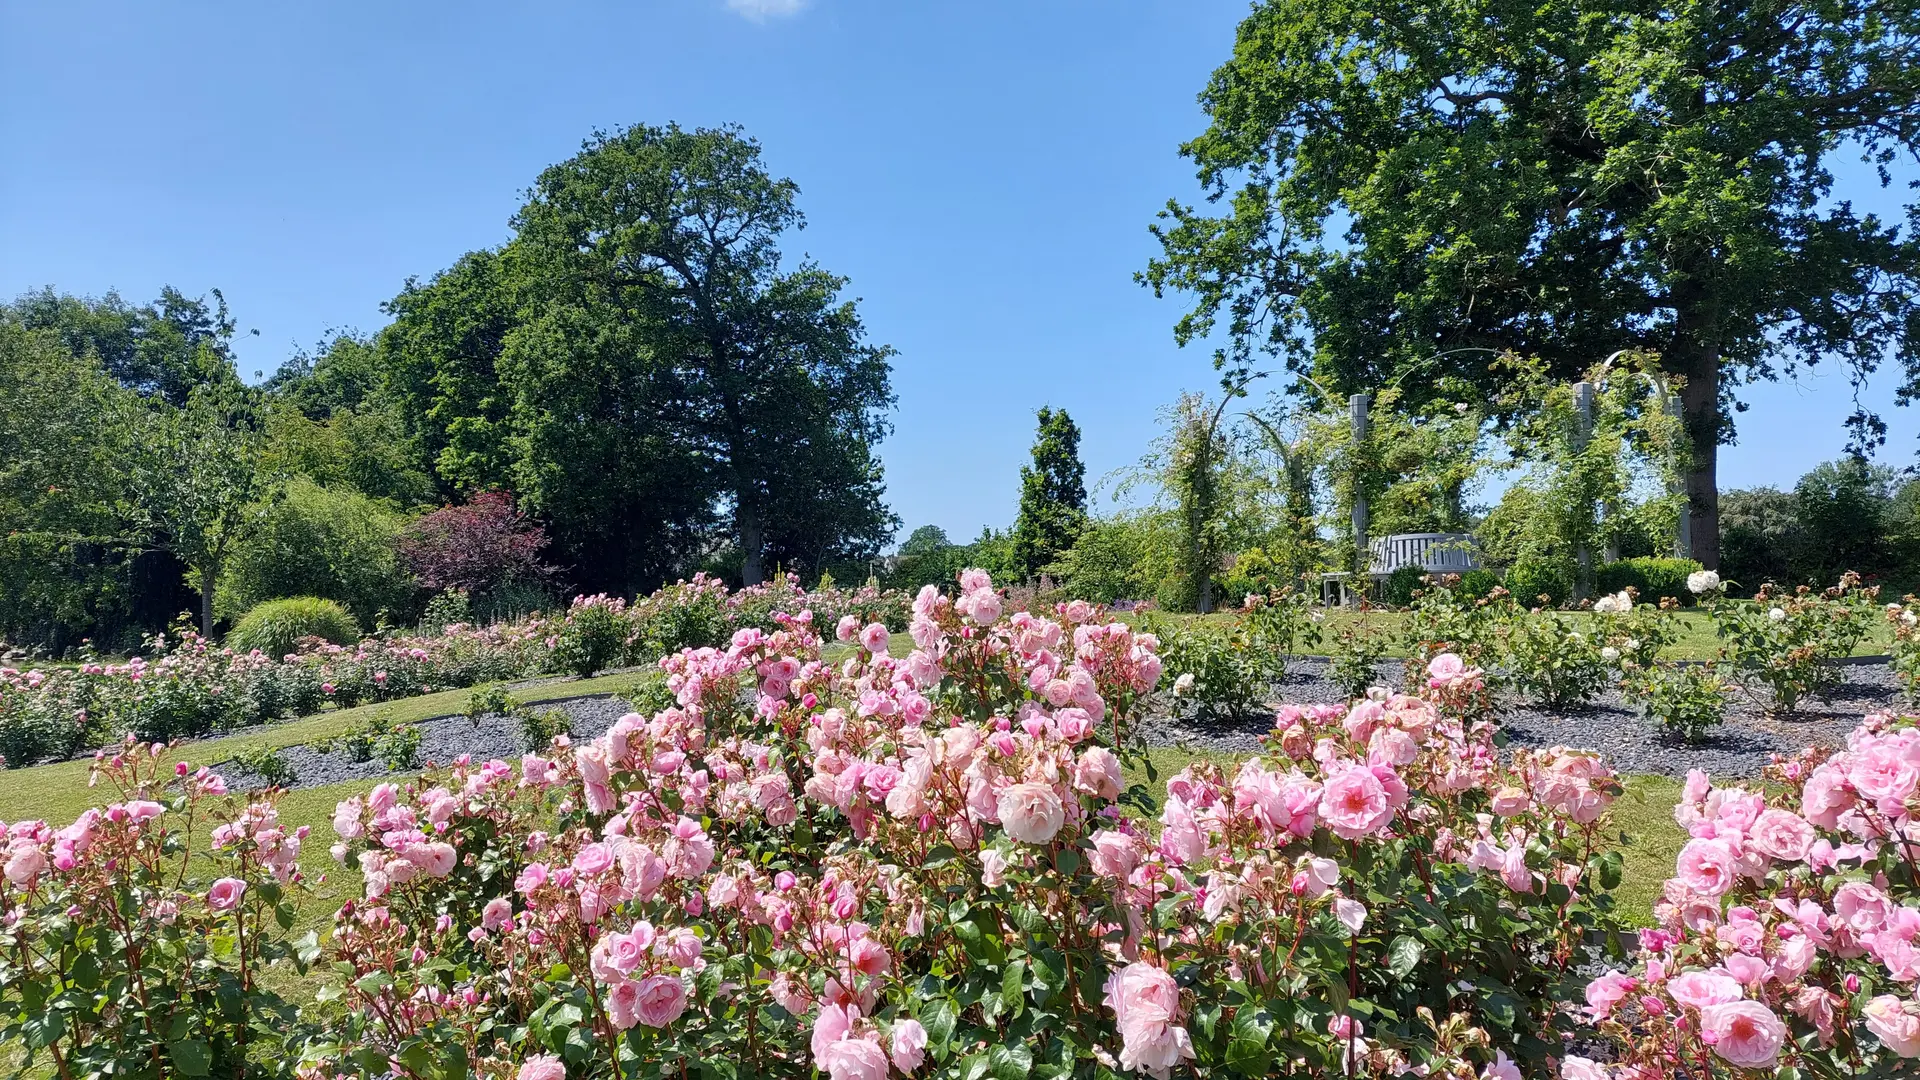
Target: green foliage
276 627
313 541
1842 515
537 727
266 764
1353 662
380 736
1547 657
1448 615
1478 584
1560 180
1220 674
1283 622
1053 494
1790 642
576 367
594 637
1123 557
1687 700
1531 579
1398 588
444 609
1654 579
1905 620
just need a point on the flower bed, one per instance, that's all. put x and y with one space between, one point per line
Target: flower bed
188 687
933 865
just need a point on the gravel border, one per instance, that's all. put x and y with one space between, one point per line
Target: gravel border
442 739
1740 746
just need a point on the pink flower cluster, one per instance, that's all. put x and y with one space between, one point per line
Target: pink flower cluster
1786 902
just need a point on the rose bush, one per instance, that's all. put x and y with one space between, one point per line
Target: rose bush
933 865
1786 940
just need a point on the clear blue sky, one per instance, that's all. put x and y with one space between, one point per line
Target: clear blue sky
985 173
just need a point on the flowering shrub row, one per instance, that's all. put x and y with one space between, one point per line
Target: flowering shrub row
929 865
187 686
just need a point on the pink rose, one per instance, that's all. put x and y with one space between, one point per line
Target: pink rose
1502 1068
1703 989
1895 1023
1607 991
1351 914
1706 866
437 858
662 999
1745 1033
1031 812
847 627
24 864
496 913
1355 804
1782 834
874 639
1574 1067
993 868
1097 773
225 894
1114 854
909 1045
543 1067
1146 1004
854 1059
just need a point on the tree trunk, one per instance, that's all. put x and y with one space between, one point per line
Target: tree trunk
207 577
752 540
1700 407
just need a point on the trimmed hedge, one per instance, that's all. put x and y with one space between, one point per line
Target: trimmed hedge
1655 578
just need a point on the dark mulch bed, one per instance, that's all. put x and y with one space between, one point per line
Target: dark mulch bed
1739 747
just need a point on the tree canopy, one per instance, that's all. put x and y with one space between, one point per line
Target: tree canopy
1394 180
640 365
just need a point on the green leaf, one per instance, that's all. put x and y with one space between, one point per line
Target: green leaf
373 982
191 1056
939 1019
1013 987
1404 955
1010 1062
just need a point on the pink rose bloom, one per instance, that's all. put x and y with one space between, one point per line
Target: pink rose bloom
623 1004
1825 796
1511 800
1351 914
830 1027
854 1059
1703 989
1607 991
1319 876
1031 812
437 858
983 606
1355 804
1446 667
142 810
1895 1023
993 868
225 894
847 627
909 1045
382 798
1861 906
496 913
662 999
1744 1033
24 864
1097 773
1573 1067
1146 1003
1706 866
1114 854
1502 1068
1782 834
874 639
543 1067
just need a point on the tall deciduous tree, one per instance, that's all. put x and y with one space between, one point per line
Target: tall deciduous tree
1561 179
676 234
197 480
1053 494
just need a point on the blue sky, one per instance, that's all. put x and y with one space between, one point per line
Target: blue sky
985 173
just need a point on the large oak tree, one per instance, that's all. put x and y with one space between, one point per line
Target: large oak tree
1391 179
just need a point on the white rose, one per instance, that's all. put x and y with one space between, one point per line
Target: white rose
1702 582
